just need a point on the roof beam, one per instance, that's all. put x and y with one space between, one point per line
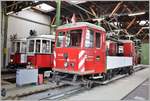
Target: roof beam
116 9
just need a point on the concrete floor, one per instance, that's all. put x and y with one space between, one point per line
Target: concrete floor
140 93
118 89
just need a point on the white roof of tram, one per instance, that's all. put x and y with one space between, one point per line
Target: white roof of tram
80 24
51 37
19 40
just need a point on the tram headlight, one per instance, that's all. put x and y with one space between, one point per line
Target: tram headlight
66 64
11 60
72 64
29 63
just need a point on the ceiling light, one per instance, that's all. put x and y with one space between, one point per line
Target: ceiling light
142 23
44 7
26 8
9 12
77 2
36 1
134 14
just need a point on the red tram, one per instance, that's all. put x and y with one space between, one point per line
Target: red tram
82 49
18 58
40 51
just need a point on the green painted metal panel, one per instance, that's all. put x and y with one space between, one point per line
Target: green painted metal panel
145 54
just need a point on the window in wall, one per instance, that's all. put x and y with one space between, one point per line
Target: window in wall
45 46
38 42
73 38
89 39
98 40
23 47
18 47
31 46
60 39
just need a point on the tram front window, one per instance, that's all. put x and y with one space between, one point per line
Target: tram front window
18 47
60 39
89 39
31 46
38 46
13 47
73 38
23 47
45 46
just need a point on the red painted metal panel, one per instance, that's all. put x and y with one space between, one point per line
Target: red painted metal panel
112 49
90 62
43 61
31 59
129 50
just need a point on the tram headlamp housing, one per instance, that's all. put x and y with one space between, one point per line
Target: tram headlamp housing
11 60
66 64
72 64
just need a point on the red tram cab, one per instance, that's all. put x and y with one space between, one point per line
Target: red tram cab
81 49
40 51
18 58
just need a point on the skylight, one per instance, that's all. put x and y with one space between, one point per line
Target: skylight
44 7
77 1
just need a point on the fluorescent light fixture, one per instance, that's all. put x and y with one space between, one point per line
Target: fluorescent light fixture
44 7
36 1
9 12
145 27
77 1
134 14
26 8
143 22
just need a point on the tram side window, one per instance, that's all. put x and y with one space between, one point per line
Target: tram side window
23 47
31 46
13 47
98 40
38 46
73 38
89 39
60 39
45 46
18 47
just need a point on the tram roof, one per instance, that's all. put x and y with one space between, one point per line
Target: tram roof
80 24
52 37
19 40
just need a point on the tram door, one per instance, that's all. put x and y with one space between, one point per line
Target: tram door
100 51
89 46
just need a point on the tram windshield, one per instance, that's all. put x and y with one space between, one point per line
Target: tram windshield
23 47
31 46
41 46
13 47
73 38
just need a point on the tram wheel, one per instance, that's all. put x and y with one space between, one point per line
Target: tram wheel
3 92
89 84
130 71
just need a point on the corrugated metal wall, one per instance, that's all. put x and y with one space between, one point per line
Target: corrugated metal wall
145 54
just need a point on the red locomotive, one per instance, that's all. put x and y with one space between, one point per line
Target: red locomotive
40 51
82 50
18 58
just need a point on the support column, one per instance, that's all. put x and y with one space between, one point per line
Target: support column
4 27
58 10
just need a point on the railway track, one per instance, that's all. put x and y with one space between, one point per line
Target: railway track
65 91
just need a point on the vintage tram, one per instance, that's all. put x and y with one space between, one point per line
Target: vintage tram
18 57
82 52
40 51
